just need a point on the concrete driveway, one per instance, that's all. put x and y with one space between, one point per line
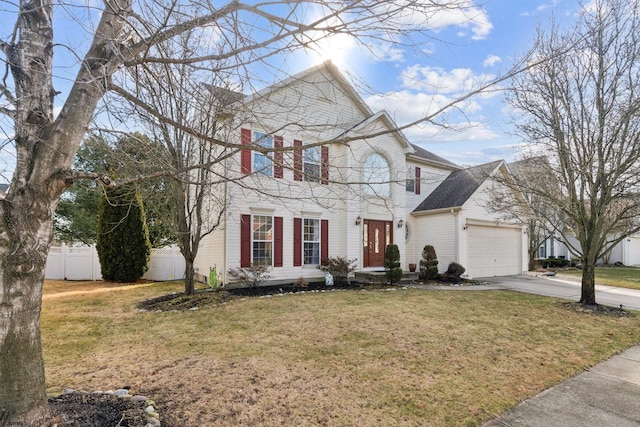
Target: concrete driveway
566 287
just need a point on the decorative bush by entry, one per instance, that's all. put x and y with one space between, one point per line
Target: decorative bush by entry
392 263
123 237
429 263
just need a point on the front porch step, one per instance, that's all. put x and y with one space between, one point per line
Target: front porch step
379 277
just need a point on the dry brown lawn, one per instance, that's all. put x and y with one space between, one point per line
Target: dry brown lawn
351 358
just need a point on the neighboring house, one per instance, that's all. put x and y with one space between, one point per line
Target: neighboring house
365 188
626 251
3 190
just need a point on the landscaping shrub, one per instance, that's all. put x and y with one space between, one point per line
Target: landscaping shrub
339 267
392 263
553 262
123 237
429 263
251 277
454 271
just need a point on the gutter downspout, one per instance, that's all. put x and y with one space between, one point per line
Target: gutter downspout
457 235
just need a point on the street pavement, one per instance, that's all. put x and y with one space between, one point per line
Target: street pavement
606 395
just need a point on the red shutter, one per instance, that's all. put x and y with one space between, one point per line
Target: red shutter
297 242
277 241
417 184
278 169
297 160
245 241
245 154
324 166
324 239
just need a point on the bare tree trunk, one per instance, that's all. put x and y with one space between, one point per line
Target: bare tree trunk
23 399
532 259
189 284
588 295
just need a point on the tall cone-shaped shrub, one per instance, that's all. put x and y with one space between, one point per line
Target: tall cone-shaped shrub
429 263
392 263
123 237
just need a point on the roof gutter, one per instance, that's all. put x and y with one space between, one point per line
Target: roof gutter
452 210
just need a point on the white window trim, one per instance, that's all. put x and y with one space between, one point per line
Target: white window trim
253 240
304 241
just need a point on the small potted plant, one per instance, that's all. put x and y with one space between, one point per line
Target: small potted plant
412 267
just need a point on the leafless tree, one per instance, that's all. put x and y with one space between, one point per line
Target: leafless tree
581 110
196 99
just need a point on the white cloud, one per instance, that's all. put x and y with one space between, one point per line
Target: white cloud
407 107
439 80
403 16
491 60
459 13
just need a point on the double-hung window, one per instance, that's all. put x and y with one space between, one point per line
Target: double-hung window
262 239
261 162
312 161
411 180
311 241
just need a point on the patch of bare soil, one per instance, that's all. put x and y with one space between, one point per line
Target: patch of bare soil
96 410
598 309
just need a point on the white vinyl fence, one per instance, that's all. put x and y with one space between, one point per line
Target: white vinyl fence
81 263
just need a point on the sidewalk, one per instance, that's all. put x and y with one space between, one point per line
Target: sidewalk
606 395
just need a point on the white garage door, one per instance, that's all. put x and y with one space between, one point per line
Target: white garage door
494 251
634 250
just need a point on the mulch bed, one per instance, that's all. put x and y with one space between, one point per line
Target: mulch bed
602 310
96 410
205 297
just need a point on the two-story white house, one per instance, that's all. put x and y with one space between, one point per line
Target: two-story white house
315 174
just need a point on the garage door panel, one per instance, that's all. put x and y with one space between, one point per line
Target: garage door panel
494 251
634 251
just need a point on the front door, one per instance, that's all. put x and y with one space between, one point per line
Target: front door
376 236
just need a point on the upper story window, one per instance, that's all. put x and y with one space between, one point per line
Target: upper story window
251 160
312 161
378 176
261 163
411 180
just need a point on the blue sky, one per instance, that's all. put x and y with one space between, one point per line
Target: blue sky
406 83
467 52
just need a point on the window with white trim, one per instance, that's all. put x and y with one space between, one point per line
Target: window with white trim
262 240
261 163
312 160
311 241
411 179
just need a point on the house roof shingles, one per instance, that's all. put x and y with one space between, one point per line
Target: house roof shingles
456 189
428 155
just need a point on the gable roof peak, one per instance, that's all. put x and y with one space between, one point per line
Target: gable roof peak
458 187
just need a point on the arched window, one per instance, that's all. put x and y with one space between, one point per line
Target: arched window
378 176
